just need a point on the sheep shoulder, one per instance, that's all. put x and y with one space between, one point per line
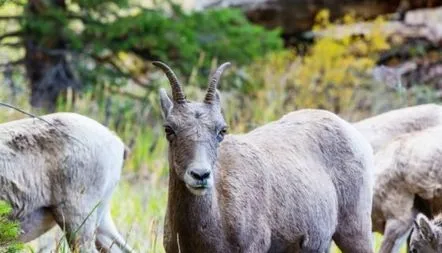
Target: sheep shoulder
412 162
380 129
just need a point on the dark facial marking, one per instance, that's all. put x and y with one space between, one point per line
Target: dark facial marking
198 114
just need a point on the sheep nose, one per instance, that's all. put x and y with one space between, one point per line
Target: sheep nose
200 174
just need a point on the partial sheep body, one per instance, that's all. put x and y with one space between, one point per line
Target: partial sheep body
407 169
61 173
292 185
381 129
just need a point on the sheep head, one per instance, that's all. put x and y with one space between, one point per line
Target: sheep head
426 236
194 131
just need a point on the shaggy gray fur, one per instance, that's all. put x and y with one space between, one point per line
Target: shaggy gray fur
381 129
407 167
292 185
56 172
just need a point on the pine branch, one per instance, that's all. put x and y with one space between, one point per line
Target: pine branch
11 17
12 45
125 94
115 66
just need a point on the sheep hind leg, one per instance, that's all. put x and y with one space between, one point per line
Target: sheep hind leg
104 245
79 225
107 230
394 234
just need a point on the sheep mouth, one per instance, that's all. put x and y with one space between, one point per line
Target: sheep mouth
198 186
198 189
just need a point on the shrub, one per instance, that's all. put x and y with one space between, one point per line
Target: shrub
328 75
109 46
8 231
187 41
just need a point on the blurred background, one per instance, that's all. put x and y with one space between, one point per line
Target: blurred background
357 58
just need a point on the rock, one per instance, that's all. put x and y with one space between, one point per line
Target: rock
296 16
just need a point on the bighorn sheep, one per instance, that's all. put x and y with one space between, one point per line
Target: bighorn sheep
62 169
426 236
292 185
408 170
381 129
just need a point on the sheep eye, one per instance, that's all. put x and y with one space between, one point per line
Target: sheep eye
221 134
169 131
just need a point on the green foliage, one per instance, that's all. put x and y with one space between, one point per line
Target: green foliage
8 231
223 34
332 74
105 38
97 4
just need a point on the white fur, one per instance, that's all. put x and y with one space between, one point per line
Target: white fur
381 129
61 172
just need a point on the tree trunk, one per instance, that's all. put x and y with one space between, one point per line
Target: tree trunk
46 64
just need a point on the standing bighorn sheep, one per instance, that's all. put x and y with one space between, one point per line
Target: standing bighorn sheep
381 129
426 236
62 169
408 169
292 185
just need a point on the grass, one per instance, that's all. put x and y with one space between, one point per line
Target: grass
139 202
140 217
332 76
138 210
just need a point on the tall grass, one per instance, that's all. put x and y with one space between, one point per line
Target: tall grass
139 202
332 75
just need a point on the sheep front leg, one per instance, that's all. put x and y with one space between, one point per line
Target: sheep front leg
78 225
395 231
260 245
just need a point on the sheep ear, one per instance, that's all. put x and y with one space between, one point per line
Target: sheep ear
218 97
425 227
166 103
415 224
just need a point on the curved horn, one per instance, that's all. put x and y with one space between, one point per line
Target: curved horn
177 91
211 90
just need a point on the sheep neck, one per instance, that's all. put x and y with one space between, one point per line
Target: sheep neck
194 219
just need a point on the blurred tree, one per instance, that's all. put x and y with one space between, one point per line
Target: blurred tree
45 61
94 43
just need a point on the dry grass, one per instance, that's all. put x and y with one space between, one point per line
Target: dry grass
140 200
332 76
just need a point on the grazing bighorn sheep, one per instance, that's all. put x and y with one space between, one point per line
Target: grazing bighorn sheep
62 169
292 185
426 236
381 129
408 169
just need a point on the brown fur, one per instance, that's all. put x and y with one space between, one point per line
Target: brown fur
292 185
49 140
